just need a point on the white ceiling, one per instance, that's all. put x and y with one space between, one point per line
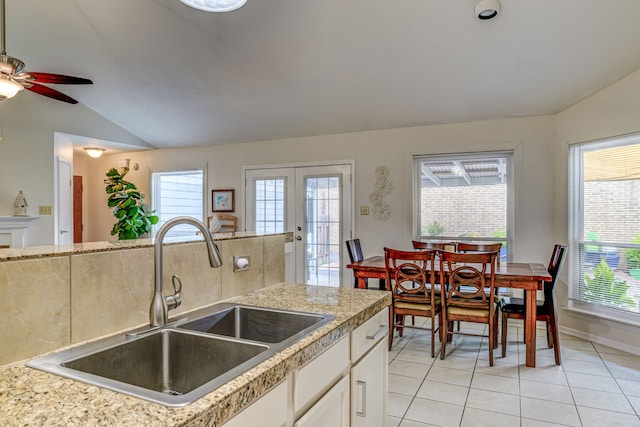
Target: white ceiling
175 76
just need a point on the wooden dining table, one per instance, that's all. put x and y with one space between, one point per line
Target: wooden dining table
516 275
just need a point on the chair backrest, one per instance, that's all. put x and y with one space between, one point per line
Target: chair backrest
228 223
466 281
555 267
411 274
443 246
481 247
354 250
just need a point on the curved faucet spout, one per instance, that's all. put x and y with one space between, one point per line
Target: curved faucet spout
158 312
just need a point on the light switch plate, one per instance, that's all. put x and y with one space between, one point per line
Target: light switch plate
364 210
44 210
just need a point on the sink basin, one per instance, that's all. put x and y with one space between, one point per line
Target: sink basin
167 366
169 361
177 364
256 323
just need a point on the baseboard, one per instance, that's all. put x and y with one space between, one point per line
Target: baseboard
600 340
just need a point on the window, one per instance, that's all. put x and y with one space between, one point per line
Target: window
178 193
604 226
465 197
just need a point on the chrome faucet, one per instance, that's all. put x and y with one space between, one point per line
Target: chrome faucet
160 304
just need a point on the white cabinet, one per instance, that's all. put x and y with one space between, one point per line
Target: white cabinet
369 388
332 410
370 372
346 385
271 410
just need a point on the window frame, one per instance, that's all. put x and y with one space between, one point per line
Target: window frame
508 153
576 228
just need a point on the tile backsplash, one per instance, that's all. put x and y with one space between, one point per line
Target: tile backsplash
61 300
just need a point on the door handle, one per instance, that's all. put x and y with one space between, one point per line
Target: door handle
64 231
298 237
361 405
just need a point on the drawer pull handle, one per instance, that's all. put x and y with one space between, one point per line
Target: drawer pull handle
381 330
362 399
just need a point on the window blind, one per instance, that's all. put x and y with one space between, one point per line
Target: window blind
604 223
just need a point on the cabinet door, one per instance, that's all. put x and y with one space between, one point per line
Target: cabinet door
369 388
271 410
332 410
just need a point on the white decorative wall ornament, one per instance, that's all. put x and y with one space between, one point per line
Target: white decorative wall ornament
381 187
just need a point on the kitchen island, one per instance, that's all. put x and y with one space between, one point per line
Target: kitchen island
31 397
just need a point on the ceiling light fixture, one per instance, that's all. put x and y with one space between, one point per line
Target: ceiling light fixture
215 5
8 88
94 152
487 9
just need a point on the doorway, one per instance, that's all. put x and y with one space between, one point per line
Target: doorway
313 202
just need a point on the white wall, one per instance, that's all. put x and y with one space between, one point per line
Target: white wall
532 138
29 122
611 112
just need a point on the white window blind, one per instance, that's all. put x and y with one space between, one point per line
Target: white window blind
465 197
604 225
178 193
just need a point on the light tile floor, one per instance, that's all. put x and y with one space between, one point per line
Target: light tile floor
595 386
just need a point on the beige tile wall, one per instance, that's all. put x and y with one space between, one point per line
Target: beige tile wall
36 307
54 302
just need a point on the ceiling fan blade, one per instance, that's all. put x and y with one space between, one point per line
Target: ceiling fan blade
51 93
60 79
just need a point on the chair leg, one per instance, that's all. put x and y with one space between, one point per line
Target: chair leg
504 334
433 335
444 336
400 323
549 336
391 327
556 342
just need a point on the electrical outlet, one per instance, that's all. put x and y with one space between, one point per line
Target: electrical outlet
364 210
44 210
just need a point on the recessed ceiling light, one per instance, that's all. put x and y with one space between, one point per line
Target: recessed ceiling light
487 9
215 5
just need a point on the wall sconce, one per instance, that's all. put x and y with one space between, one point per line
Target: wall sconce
94 152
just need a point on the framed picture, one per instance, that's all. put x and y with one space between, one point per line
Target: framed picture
222 200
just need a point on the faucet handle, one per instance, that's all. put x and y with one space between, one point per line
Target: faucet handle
174 301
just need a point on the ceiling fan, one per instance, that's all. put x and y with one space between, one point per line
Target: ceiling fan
13 78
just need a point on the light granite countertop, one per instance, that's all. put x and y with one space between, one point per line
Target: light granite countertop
31 252
29 397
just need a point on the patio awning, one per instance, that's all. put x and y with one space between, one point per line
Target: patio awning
612 164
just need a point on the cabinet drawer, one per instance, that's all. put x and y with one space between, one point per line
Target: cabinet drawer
317 376
369 333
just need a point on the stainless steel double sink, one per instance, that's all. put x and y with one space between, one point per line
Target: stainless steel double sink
177 364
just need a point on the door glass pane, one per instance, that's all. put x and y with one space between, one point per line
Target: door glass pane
269 205
322 224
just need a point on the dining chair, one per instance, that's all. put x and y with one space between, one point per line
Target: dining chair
355 255
514 308
469 281
443 246
480 247
411 275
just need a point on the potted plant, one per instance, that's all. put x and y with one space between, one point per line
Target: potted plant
603 287
126 201
633 259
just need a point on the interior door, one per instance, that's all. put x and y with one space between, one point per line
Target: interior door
313 202
64 210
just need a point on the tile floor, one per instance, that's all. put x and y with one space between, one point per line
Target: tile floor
595 386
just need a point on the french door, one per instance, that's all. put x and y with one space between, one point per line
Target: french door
314 202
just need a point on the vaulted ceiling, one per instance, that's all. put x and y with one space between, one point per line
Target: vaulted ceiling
175 76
